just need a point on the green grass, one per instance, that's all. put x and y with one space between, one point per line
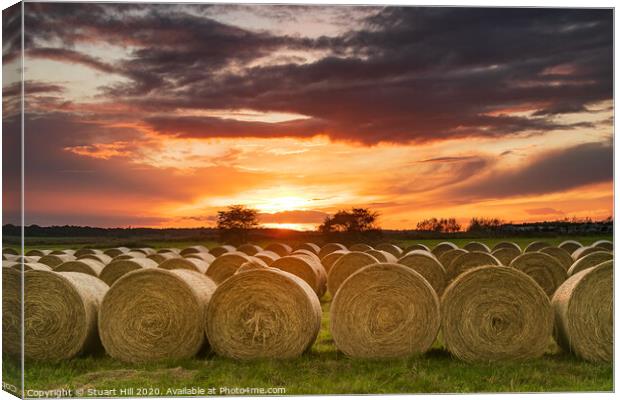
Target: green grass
324 370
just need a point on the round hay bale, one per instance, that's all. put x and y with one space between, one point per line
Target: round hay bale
147 251
307 253
446 258
38 253
570 245
469 260
85 266
11 312
33 267
192 264
161 257
268 257
219 250
559 254
505 255
495 314
312 247
382 256
129 255
589 261
11 257
428 266
507 245
477 246
583 308
384 311
535 246
304 268
69 252
54 260
206 257
194 249
583 251
442 247
224 266
605 244
116 251
390 248
280 249
102 258
171 250
249 249
330 248
9 250
416 246
60 314
263 313
363 247
543 268
250 265
329 260
118 268
155 314
345 266
86 251
27 259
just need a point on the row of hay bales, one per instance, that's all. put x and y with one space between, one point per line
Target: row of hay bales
249 302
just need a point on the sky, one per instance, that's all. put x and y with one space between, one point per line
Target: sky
161 115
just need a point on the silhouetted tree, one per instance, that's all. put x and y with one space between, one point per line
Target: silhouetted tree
235 223
484 224
356 224
443 225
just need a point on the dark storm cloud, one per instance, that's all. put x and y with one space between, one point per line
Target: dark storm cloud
405 74
553 171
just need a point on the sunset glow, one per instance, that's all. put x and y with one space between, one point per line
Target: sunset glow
301 114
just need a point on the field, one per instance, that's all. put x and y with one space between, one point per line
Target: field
323 370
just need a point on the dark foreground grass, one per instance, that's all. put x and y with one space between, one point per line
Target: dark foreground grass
322 370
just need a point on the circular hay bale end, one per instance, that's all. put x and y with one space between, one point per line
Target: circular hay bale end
307 253
11 312
280 249
583 251
249 249
68 252
536 246
384 311
505 255
329 260
147 251
118 268
9 250
206 257
495 314
477 246
161 257
604 244
347 265
304 268
90 267
442 247
86 251
27 259
219 250
314 248
583 308
60 314
54 260
468 261
38 253
33 267
155 314
508 245
263 313
268 257
224 266
425 264
382 256
589 261
115 252
543 268
446 258
193 249
330 248
102 258
251 265
191 264
417 246
170 250
130 255
390 248
570 245
559 254
363 247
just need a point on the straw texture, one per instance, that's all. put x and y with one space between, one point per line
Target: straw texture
226 265
589 260
505 255
304 267
477 246
544 269
570 245
467 261
85 266
382 256
280 249
191 264
116 269
536 246
442 247
347 265
428 266
330 248
563 256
